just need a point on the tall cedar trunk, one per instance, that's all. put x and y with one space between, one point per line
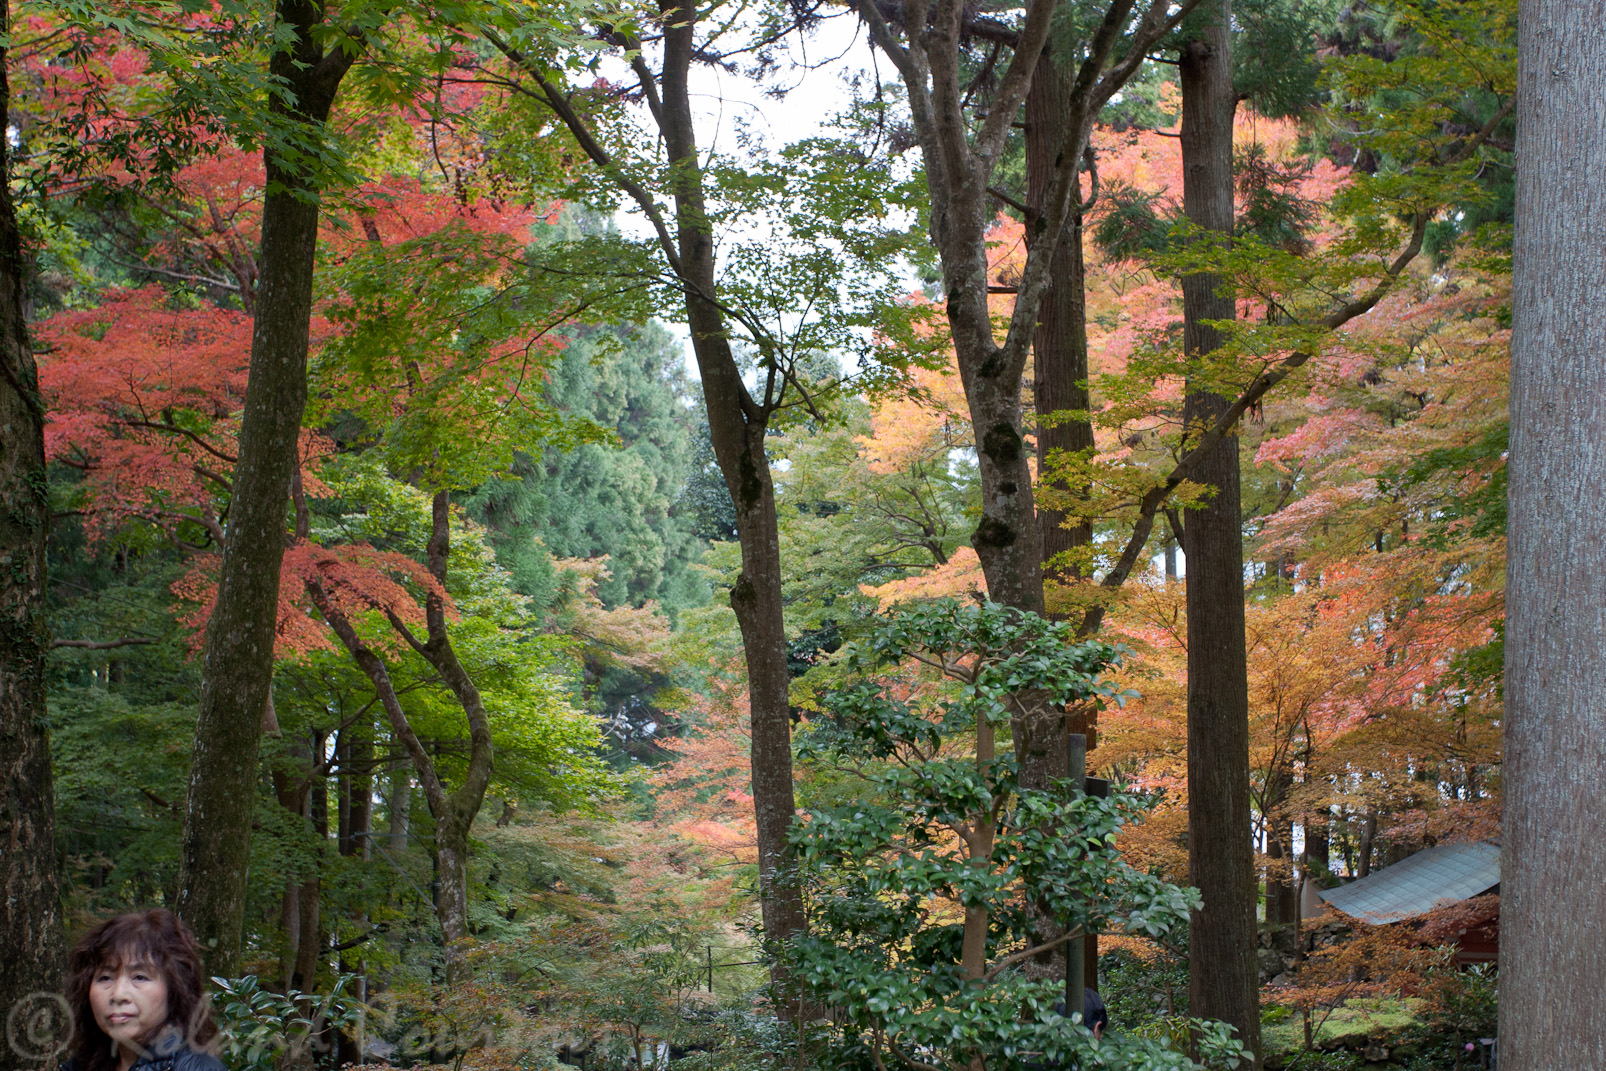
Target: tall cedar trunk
1363 860
30 938
737 427
1059 346
1059 362
1221 862
237 666
1553 861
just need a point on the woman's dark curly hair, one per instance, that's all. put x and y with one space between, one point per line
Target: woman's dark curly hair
153 937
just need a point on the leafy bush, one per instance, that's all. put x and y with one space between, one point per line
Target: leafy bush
923 894
264 1030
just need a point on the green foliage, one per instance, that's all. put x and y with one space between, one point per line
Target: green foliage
1144 995
1274 56
264 1030
613 498
947 849
120 771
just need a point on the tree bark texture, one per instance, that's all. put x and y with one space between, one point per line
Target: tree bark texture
960 153
1059 346
1553 862
237 664
1223 976
30 922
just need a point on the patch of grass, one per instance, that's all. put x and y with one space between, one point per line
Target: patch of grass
1351 1024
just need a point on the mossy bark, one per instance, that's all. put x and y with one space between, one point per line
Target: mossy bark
30 918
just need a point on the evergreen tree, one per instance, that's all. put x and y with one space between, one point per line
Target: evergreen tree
618 499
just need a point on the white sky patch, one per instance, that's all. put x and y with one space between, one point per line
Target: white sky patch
735 115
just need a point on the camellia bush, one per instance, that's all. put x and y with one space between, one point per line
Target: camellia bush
921 891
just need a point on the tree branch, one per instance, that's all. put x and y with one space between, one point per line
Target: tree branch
101 645
1156 496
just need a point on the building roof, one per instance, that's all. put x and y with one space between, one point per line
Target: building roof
1414 885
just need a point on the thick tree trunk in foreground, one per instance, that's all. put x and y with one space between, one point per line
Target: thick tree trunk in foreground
237 667
1223 982
30 938
1553 861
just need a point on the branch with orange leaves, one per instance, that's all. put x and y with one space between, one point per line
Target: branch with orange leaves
1156 496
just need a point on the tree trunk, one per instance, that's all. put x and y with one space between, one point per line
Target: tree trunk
399 804
237 664
356 789
1059 365
1553 863
292 786
1282 887
737 427
1318 849
454 812
1059 346
30 937
1223 976
1363 854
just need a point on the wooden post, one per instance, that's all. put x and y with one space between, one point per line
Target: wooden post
1076 770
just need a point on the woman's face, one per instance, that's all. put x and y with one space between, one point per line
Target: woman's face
129 1001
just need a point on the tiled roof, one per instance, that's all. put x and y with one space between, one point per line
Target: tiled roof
1414 885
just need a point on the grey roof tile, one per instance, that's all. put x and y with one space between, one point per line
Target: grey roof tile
1414 885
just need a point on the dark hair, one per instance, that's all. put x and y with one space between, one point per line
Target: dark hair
155 937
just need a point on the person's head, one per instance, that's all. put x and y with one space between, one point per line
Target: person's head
129 979
1094 1015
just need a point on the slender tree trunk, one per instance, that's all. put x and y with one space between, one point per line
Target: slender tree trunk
310 944
356 789
292 786
737 427
1059 346
454 812
1363 854
30 935
237 665
399 804
1059 365
1553 862
1318 847
1282 885
1223 976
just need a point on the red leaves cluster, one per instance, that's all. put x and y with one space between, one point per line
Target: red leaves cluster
143 398
358 579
